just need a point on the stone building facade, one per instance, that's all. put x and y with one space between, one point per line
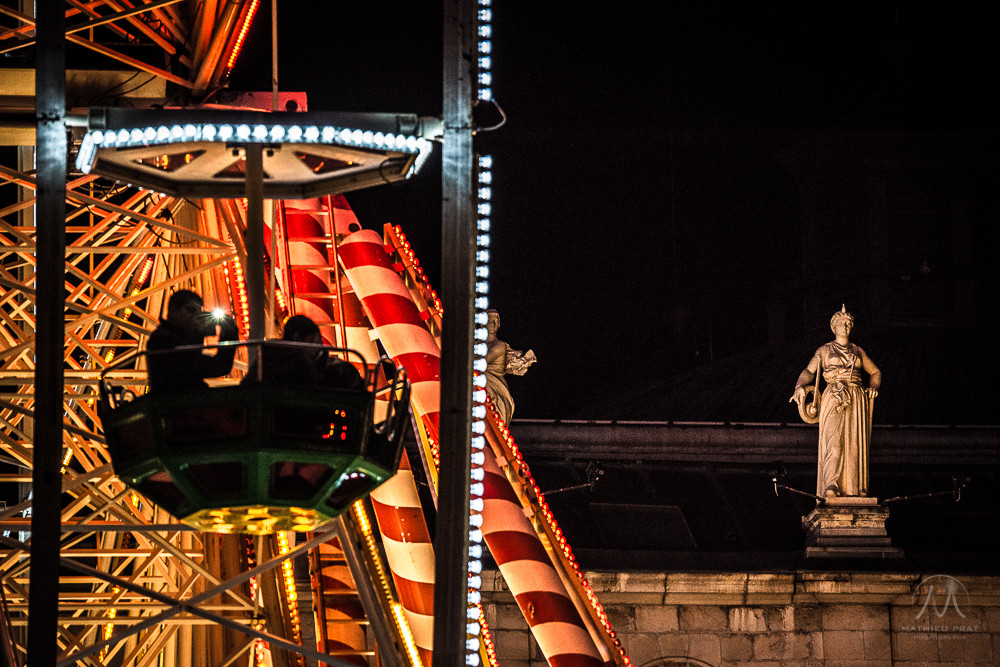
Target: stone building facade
812 618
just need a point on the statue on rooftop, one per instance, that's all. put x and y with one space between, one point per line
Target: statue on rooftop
501 360
843 410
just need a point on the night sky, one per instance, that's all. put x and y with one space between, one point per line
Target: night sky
641 209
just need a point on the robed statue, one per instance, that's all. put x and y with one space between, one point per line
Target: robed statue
501 360
843 409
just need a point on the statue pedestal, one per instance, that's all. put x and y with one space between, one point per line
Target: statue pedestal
848 527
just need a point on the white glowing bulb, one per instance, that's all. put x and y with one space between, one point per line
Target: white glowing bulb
357 136
294 133
485 161
149 134
208 132
277 132
328 133
260 132
226 132
190 131
135 136
243 131
176 132
122 136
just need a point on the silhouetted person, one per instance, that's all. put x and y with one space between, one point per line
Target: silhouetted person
187 323
304 366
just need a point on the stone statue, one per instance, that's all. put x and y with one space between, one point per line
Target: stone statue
500 360
843 410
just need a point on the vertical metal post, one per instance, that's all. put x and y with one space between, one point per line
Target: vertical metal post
50 111
255 241
457 279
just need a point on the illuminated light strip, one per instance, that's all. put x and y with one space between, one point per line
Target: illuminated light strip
242 34
484 50
235 280
484 195
139 280
488 648
402 626
288 578
108 628
245 134
475 646
396 239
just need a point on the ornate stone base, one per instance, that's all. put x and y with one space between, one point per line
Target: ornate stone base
848 527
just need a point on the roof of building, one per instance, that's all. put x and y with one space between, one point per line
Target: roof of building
941 376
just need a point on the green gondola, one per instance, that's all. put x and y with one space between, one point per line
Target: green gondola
257 457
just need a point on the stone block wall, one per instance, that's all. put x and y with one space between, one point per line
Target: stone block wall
829 619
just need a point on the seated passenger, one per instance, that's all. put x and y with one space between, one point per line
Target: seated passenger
304 366
187 323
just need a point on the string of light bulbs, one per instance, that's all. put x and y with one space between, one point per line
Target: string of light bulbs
484 197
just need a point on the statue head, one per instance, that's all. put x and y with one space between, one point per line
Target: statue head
841 316
492 320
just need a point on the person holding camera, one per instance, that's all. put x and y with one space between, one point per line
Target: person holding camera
188 324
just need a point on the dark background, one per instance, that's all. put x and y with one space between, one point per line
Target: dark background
642 214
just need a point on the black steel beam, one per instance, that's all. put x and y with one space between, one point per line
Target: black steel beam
457 278
50 218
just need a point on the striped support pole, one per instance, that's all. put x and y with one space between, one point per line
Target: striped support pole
406 339
554 621
542 595
408 548
395 318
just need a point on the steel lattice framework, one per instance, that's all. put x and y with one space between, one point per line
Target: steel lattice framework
126 249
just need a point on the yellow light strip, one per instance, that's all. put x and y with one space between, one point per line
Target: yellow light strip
238 46
288 578
396 609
